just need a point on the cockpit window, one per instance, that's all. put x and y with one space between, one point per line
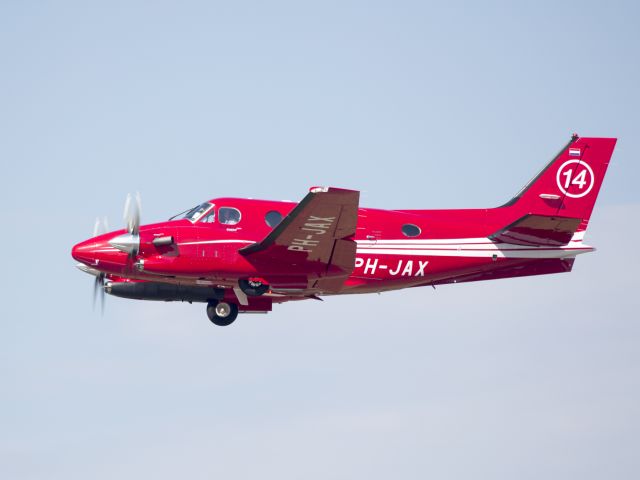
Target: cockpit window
209 217
228 215
195 213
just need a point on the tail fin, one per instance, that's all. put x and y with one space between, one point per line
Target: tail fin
568 186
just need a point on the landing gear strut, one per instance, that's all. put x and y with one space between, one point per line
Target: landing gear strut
222 313
253 287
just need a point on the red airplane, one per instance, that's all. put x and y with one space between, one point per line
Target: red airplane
240 255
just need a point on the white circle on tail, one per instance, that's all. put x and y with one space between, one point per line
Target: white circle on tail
575 174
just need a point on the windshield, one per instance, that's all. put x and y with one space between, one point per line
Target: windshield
194 214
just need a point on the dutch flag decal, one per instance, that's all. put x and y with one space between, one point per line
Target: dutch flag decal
574 152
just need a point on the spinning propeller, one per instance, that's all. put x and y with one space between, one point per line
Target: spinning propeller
128 242
98 286
99 228
131 215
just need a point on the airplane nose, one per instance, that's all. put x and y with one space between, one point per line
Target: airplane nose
98 254
84 252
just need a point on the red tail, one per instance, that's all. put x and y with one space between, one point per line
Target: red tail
568 186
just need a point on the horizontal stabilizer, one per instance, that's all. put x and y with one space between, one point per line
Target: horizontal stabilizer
538 231
540 267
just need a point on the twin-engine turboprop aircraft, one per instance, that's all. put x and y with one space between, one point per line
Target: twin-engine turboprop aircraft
239 255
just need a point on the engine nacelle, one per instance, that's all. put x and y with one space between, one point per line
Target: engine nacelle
163 291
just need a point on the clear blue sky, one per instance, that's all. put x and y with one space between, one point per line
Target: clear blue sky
418 105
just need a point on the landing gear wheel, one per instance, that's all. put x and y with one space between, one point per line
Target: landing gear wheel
252 287
222 313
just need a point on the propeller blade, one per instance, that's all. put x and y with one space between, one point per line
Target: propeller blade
100 226
127 207
132 208
102 297
137 213
95 293
98 286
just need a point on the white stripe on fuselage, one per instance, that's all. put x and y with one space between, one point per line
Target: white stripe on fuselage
452 247
205 242
467 247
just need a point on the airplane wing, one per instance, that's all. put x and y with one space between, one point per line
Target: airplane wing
315 239
539 231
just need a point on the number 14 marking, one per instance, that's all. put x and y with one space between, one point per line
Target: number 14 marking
580 180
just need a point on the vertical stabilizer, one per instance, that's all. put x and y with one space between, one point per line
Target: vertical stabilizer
568 186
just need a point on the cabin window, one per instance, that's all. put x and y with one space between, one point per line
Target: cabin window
228 215
273 218
410 230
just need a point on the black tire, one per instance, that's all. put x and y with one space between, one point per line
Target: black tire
222 314
253 288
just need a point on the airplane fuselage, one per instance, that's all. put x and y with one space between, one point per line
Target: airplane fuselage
241 254
386 258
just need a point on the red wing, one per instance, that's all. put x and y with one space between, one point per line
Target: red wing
538 230
315 239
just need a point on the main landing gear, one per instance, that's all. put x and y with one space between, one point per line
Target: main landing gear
253 287
222 313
